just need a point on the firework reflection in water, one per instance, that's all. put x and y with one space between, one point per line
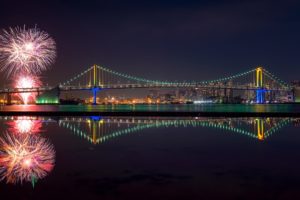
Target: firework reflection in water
25 125
25 158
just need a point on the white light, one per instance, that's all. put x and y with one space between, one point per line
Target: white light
203 101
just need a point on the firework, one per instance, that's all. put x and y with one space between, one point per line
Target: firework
27 81
25 158
25 125
26 50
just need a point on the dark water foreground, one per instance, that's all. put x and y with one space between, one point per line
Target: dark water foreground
112 157
234 110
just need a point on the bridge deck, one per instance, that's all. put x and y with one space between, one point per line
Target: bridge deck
133 86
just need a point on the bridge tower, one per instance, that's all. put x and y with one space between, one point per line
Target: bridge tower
259 123
95 87
260 92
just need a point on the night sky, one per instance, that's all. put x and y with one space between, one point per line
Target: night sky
174 40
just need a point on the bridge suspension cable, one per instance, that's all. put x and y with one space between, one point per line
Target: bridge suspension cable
101 76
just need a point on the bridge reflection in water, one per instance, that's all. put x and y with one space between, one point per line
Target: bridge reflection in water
100 129
27 156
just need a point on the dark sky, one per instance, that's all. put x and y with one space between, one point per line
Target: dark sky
175 40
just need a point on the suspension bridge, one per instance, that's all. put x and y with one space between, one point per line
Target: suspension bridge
259 83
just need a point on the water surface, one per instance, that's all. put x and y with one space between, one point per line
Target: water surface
149 158
222 108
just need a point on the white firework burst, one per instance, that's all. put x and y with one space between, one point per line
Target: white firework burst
26 50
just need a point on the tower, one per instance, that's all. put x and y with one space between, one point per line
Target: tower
260 92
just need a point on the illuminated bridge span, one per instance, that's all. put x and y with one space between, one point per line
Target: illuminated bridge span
258 81
98 130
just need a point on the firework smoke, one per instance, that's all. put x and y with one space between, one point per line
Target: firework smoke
25 158
26 50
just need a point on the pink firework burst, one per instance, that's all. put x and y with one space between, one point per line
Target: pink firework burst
27 81
26 50
25 158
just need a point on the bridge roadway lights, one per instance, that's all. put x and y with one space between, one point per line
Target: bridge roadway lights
260 95
95 90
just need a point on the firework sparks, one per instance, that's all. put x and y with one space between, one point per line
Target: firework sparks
27 81
25 158
26 50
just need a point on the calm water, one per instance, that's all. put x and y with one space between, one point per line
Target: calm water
290 108
149 158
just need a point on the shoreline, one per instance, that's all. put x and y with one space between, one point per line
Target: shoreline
150 113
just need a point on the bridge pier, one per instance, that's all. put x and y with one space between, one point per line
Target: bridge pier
260 95
95 90
8 98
